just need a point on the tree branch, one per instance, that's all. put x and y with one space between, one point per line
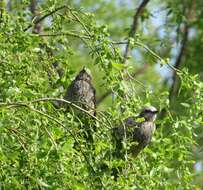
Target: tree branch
173 89
59 122
33 9
27 104
38 28
66 34
189 14
132 32
45 16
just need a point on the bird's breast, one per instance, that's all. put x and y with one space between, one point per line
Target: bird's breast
148 127
144 132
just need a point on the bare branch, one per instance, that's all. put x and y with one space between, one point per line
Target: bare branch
189 15
132 32
173 89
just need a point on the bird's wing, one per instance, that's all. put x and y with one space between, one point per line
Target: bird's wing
82 93
125 128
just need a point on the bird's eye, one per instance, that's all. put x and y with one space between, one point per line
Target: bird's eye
147 111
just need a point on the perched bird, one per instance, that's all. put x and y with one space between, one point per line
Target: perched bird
82 92
137 131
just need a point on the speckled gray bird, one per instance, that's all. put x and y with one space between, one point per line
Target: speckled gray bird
82 92
140 132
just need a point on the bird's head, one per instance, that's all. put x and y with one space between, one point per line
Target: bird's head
84 74
149 113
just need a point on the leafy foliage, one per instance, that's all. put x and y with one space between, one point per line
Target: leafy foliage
43 146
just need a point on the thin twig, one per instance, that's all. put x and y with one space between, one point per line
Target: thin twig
136 73
65 34
133 29
45 16
88 33
59 123
75 139
50 136
79 21
20 140
140 44
67 102
26 104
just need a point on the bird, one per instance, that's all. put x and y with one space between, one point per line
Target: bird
81 91
138 129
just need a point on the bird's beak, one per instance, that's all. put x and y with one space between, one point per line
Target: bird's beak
155 111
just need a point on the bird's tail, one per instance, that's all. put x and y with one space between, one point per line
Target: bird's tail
136 149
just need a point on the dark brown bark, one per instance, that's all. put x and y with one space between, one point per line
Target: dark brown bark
133 29
189 14
174 87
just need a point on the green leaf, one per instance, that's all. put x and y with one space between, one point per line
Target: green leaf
185 104
118 66
42 183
